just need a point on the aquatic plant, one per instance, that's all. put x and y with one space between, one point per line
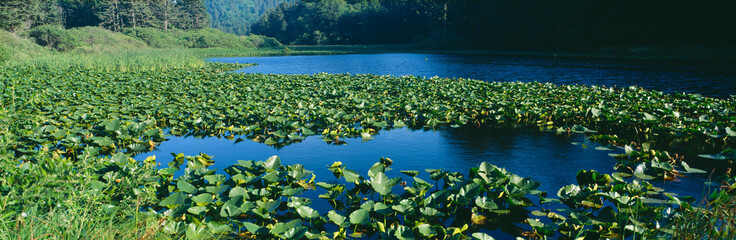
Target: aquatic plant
84 123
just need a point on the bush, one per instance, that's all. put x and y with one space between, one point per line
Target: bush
210 38
95 39
261 41
154 37
54 37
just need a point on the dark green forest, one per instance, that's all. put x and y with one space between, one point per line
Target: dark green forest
21 15
528 24
490 24
236 16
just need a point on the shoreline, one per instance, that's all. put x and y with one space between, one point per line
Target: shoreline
723 59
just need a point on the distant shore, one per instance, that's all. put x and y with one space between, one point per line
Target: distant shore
722 55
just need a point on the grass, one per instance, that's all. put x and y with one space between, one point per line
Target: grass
133 50
716 219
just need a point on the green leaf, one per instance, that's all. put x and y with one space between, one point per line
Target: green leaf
485 203
401 208
730 132
431 212
198 210
186 187
273 163
217 228
691 170
120 158
639 172
295 233
411 173
360 217
307 212
382 208
426 230
381 183
238 191
255 229
173 200
229 210
403 232
482 236
203 199
280 228
728 154
337 218
351 176
195 231
174 227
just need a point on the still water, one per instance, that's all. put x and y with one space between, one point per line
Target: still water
546 157
708 79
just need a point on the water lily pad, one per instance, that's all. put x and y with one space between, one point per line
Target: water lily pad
337 218
728 154
360 217
173 200
307 212
272 163
639 172
482 236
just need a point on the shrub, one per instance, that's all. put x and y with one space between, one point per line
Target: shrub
155 38
100 39
262 41
54 37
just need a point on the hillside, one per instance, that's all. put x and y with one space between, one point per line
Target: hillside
237 16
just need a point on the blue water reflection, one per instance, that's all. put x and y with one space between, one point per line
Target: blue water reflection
709 79
543 156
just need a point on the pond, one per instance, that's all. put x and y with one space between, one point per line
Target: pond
708 79
542 155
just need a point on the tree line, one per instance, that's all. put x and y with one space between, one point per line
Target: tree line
21 15
237 16
524 24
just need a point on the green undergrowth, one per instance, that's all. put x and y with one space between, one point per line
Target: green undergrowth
67 133
139 49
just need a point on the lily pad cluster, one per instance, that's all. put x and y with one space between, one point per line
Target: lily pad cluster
130 112
262 200
85 124
606 206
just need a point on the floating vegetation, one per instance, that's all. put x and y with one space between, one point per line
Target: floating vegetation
87 123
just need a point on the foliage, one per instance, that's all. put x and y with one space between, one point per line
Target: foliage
237 16
58 198
155 38
16 15
54 37
203 38
716 219
280 109
67 132
21 15
4 54
629 25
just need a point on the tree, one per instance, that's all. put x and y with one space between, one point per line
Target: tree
110 16
22 15
166 12
194 14
80 13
